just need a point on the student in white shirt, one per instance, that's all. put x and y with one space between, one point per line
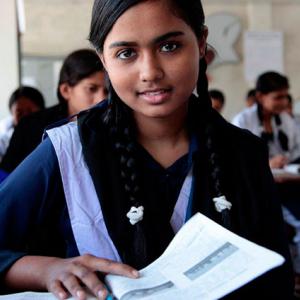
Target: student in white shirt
269 120
23 101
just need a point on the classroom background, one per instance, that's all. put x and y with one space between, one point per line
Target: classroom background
248 36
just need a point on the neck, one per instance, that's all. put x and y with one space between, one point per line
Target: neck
267 116
166 139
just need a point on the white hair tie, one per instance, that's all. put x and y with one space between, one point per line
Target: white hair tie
221 203
135 214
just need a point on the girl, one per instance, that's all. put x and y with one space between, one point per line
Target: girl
269 120
24 101
81 84
107 188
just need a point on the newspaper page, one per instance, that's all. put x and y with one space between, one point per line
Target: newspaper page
204 261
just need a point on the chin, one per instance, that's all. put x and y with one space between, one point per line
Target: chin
157 113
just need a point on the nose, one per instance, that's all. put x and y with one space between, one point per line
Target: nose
150 68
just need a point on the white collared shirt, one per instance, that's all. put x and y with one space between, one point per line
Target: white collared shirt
248 119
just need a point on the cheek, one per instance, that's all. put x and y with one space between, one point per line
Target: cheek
184 77
186 69
123 84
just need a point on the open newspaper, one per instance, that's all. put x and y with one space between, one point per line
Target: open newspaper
203 261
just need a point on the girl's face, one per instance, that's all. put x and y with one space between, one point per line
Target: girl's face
87 92
274 102
23 107
152 59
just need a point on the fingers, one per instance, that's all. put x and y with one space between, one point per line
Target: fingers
91 281
109 266
71 283
70 275
57 289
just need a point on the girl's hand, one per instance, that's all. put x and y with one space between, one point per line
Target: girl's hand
72 274
278 161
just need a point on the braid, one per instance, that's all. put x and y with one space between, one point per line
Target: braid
282 137
267 137
202 90
121 127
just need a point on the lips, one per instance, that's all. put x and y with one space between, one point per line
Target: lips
155 96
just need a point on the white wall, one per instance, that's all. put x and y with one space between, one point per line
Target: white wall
56 27
9 71
277 15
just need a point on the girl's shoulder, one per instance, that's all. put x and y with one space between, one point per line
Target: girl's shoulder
70 131
245 116
236 138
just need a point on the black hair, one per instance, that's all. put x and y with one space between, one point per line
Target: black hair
290 99
217 94
78 65
251 93
266 83
270 82
31 93
106 12
118 117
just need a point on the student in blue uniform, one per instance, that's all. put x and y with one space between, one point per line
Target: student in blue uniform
108 193
81 84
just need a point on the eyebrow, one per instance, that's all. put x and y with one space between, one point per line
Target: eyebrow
155 41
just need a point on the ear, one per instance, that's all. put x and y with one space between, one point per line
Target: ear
202 42
65 90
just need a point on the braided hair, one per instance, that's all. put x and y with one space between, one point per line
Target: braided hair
118 117
213 156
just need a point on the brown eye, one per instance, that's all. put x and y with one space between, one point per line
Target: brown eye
126 54
169 47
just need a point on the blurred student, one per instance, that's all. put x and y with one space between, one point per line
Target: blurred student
217 99
24 101
251 98
81 85
269 120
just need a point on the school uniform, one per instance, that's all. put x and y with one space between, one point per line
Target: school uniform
28 134
246 180
249 119
4 141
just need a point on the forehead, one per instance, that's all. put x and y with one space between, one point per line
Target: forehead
147 19
23 101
